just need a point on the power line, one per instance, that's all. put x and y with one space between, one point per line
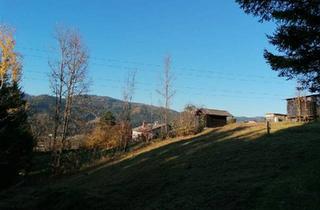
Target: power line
148 84
194 73
151 65
194 76
152 85
142 87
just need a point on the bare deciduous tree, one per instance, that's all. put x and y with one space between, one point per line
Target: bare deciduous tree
57 79
167 91
298 104
125 119
68 79
301 104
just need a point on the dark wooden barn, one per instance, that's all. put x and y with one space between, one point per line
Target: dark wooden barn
304 108
214 117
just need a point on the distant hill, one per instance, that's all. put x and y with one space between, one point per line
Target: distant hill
244 119
90 107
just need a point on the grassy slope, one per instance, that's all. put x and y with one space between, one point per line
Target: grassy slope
235 167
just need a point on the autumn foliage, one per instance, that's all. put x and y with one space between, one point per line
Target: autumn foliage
188 123
10 65
104 136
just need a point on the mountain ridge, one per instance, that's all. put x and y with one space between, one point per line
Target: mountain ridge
94 106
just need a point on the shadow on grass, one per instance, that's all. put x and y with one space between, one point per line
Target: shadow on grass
237 168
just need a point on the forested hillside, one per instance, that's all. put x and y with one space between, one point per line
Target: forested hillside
93 106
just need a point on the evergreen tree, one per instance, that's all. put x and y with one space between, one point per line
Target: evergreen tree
108 118
297 37
16 141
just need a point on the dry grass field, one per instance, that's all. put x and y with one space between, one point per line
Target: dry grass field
233 167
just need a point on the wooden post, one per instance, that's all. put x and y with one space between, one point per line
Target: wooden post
268 127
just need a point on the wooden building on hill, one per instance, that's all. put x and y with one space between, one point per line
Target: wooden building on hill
214 117
304 108
276 117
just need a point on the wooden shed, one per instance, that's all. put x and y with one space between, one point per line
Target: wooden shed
276 117
214 117
304 108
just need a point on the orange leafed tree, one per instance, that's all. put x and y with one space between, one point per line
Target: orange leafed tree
10 65
104 136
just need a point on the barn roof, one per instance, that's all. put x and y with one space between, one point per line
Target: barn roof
313 95
216 112
276 114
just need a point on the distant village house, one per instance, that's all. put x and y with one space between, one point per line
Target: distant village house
148 131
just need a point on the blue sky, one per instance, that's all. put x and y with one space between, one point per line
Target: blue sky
217 50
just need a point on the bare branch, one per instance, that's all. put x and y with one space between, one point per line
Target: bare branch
68 79
167 93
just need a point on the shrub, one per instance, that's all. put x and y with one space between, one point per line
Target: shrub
104 136
188 123
231 120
